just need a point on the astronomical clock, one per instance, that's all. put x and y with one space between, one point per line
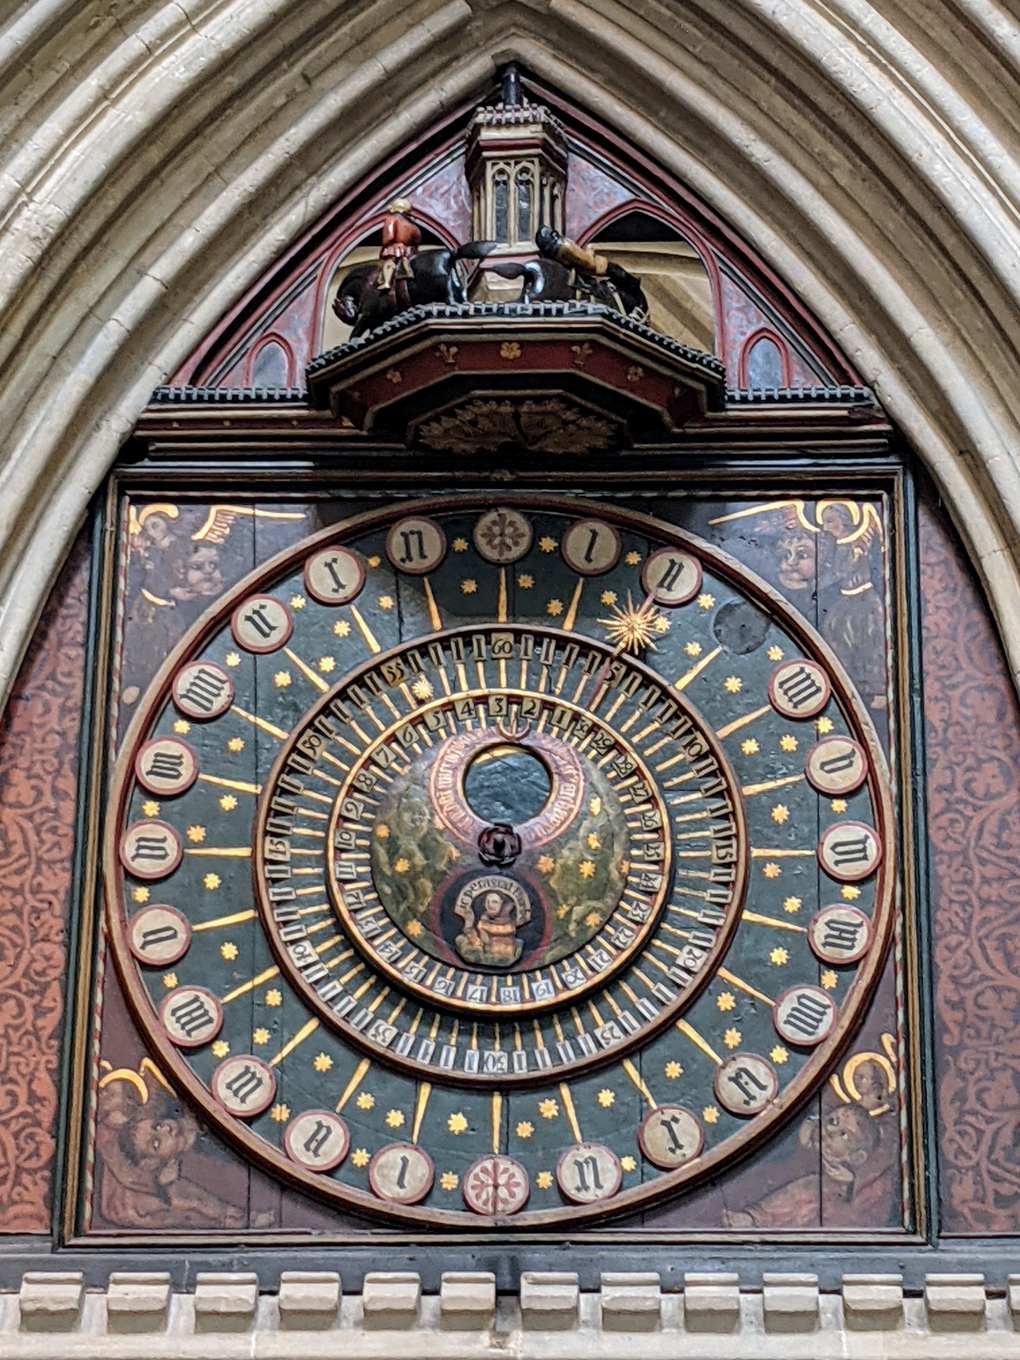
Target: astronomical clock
491 815
503 795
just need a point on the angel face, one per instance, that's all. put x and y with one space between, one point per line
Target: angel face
202 574
796 567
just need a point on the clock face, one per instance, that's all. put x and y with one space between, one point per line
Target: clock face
479 864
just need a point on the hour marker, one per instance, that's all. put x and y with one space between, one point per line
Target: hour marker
159 935
401 1173
669 1136
191 1016
849 851
495 1185
671 577
836 765
799 689
589 1172
244 1085
334 576
590 547
416 545
202 690
839 934
745 1084
317 1139
166 765
804 1015
261 624
151 850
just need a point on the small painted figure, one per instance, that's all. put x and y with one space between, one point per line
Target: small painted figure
405 276
490 938
567 272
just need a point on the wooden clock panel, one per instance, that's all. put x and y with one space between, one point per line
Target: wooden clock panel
444 844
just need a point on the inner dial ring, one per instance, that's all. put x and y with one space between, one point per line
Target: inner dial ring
464 955
504 986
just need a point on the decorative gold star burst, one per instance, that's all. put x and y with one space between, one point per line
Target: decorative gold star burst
544 1180
457 1123
633 627
850 891
525 1129
710 1114
606 1097
732 1038
779 1054
628 1163
360 1157
672 1070
449 1180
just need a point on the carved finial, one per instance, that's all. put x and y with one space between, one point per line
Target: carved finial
511 86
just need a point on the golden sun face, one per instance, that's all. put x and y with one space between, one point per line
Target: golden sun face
634 627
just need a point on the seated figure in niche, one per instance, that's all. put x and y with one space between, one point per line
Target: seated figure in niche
490 938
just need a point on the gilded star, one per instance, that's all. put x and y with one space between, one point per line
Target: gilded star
525 581
706 601
260 1036
628 1163
792 904
374 560
235 744
780 814
322 1062
212 881
469 587
228 951
382 831
232 659
732 1038
395 1119
341 628
360 1157
460 545
606 1097
169 979
608 597
548 1109
448 1181
401 865
365 1100
586 869
850 891
771 870
220 1048
725 1001
281 1113
297 602
281 679
710 1114
829 980
422 688
775 653
544 1180
823 725
182 727
593 840
525 1129
327 664
545 864
632 559
196 834
150 808
228 802
733 684
633 627
779 1055
788 743
548 544
414 929
592 920
140 894
457 1123
778 956
749 747
385 601
274 997
595 806
838 805
692 648
672 1070
554 608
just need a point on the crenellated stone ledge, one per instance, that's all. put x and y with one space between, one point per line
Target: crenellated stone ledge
712 1317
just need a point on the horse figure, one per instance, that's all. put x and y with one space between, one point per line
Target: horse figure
430 276
566 272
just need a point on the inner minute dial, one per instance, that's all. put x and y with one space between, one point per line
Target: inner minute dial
475 916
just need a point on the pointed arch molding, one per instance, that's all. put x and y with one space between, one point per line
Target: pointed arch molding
156 159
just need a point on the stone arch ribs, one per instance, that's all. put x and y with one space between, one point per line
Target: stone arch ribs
155 159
